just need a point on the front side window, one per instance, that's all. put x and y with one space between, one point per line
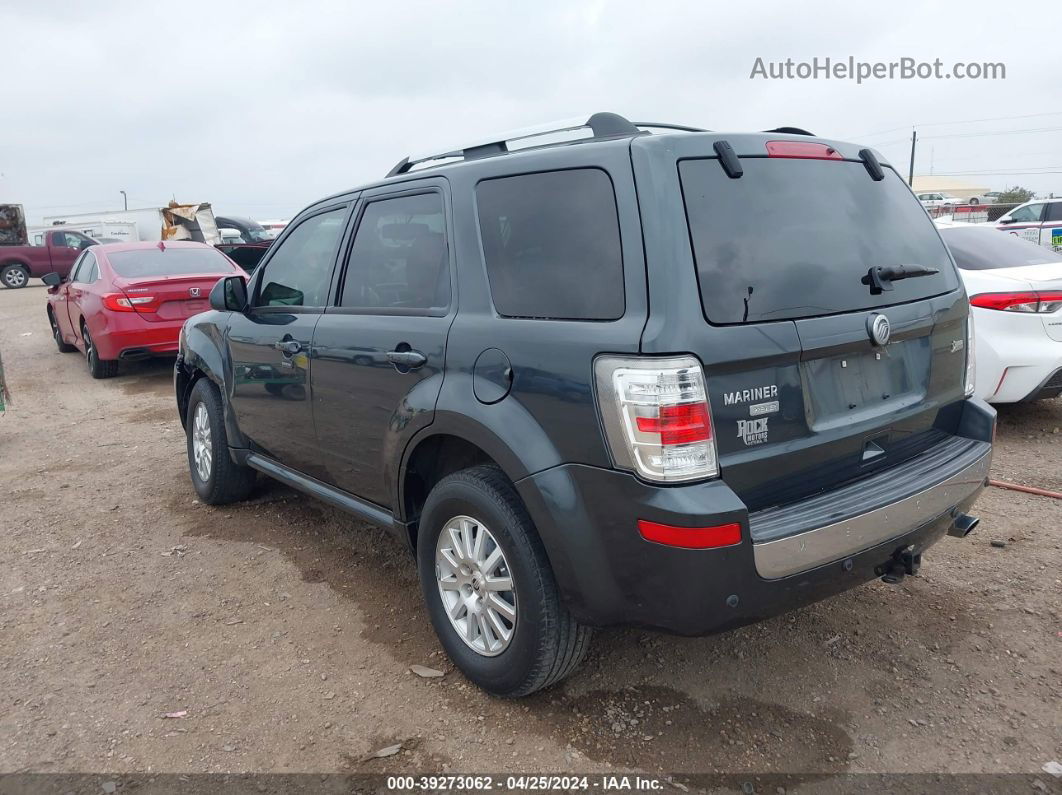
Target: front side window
76 267
551 245
1054 211
300 270
1026 214
399 259
86 265
73 240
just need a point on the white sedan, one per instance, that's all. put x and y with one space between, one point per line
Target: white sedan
1015 290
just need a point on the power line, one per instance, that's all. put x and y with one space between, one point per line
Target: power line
992 132
946 123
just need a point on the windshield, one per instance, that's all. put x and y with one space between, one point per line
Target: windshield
792 238
169 262
977 249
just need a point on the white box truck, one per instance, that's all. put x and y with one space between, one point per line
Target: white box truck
174 222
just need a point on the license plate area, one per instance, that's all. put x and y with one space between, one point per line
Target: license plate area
851 387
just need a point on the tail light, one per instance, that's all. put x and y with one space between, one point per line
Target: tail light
119 302
656 416
1030 302
971 366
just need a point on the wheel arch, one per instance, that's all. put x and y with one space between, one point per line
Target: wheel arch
201 357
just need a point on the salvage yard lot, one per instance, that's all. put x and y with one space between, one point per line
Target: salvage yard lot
284 630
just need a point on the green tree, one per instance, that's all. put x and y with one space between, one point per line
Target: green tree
1015 195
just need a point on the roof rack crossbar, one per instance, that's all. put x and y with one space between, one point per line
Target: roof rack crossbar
791 131
602 125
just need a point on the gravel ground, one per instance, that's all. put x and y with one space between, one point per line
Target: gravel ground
282 632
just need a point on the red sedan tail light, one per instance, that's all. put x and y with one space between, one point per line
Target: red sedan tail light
119 302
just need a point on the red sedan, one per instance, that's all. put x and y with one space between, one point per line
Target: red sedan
128 301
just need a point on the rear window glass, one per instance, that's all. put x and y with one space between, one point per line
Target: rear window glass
168 262
792 238
551 244
981 249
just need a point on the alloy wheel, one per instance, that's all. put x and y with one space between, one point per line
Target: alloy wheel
201 450
476 586
15 277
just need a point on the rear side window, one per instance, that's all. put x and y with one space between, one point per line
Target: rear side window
792 238
551 245
977 249
1054 212
300 271
169 261
399 259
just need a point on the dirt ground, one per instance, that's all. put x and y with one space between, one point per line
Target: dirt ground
285 629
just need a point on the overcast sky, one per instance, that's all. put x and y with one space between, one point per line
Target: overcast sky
261 108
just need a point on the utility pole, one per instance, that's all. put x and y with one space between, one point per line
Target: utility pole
910 174
125 199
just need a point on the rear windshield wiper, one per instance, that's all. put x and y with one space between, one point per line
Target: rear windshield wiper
881 277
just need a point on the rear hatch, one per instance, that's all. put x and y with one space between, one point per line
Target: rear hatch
803 397
171 282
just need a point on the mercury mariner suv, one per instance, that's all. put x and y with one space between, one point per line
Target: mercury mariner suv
648 375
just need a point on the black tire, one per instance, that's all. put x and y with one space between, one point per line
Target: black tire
58 336
14 277
547 643
975 201
98 368
226 481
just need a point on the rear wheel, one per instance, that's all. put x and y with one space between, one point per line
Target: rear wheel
489 587
216 477
57 335
98 368
14 276
975 201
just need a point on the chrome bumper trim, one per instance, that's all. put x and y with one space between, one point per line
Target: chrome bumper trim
785 556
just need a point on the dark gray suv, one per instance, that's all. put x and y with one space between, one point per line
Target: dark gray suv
652 376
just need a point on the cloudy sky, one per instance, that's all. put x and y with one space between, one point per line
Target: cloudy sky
262 107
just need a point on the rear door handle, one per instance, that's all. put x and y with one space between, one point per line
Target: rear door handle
410 359
288 347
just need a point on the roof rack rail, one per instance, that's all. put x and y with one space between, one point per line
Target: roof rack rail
602 125
791 131
656 125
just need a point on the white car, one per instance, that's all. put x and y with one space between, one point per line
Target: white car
938 199
1038 221
1015 290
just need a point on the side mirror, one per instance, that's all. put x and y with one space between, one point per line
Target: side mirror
52 279
1005 221
229 294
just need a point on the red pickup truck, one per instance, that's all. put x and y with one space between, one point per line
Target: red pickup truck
18 264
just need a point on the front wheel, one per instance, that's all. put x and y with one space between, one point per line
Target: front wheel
489 587
975 201
216 477
14 276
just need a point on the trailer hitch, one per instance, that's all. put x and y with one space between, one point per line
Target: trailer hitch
904 561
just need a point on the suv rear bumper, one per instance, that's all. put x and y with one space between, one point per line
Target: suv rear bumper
610 575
